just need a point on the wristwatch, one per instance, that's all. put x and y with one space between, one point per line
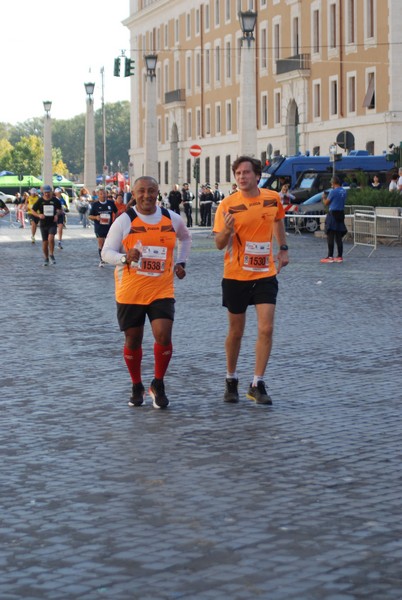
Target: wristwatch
284 247
123 259
182 264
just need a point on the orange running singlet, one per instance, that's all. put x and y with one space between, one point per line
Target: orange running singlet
153 279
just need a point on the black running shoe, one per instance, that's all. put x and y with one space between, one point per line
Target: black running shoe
52 259
157 393
231 394
259 394
137 396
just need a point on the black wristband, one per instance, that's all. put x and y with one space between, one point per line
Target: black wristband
182 265
284 247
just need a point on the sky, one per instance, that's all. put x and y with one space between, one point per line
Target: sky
50 48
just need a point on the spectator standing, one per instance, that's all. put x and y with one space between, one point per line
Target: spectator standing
101 214
206 200
47 210
335 227
234 189
141 245
245 224
187 199
218 194
375 184
174 199
393 185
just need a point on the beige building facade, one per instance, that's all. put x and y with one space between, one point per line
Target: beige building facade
322 67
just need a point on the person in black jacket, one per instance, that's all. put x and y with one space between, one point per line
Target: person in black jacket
206 199
187 197
174 199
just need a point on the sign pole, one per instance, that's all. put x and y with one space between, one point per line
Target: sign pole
195 151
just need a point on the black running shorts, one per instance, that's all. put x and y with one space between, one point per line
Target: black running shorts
237 295
133 315
48 230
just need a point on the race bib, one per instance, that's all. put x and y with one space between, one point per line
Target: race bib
153 261
104 218
256 256
48 210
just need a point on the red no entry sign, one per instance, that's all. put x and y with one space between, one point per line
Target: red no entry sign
195 150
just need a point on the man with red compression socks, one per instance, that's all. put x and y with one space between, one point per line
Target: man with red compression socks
141 245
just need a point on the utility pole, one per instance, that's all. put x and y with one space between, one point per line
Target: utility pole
102 71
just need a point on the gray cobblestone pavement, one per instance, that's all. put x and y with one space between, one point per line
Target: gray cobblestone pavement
204 500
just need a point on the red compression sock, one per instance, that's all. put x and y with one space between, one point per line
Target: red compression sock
133 361
162 354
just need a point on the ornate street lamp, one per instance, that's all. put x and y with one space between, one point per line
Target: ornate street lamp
47 175
248 20
150 63
248 105
89 148
151 133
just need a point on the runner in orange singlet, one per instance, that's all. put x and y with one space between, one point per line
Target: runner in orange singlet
141 245
245 224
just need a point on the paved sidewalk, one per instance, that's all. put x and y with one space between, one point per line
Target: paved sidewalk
206 501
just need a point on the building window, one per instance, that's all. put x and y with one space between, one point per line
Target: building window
263 3
228 169
370 18
263 49
188 25
317 100
228 57
159 130
166 36
227 10
369 99
217 169
208 121
228 117
218 119
207 66
198 70
207 170
238 55
188 73
316 151
217 63
350 22
264 110
217 12
189 124
197 22
176 31
177 74
207 18
188 169
333 97
166 172
370 147
295 36
277 110
166 128
352 93
277 41
332 26
198 122
316 31
166 78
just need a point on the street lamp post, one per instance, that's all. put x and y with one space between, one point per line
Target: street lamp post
248 111
47 175
151 137
89 152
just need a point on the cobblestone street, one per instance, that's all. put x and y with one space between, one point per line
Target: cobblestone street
205 500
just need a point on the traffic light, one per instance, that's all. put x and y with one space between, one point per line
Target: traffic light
116 71
196 169
128 67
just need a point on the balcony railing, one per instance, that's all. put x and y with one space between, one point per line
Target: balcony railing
299 62
175 96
